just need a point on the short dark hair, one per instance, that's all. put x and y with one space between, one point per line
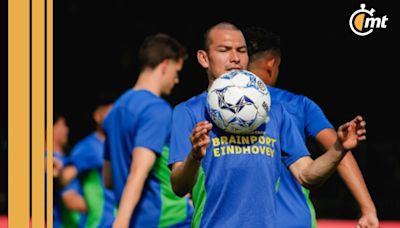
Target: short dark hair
259 40
158 47
222 25
104 98
57 116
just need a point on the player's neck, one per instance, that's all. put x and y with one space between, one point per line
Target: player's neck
262 73
148 81
100 134
58 148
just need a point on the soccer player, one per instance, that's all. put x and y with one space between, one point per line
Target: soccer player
238 189
137 130
86 164
68 204
295 208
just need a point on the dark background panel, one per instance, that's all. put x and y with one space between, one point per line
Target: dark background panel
3 108
96 44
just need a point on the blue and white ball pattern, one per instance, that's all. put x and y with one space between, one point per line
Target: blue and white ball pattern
238 102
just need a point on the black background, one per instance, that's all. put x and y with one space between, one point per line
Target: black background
3 107
96 44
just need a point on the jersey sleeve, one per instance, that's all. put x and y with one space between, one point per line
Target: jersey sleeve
107 150
154 126
182 126
293 145
84 158
314 118
106 155
74 185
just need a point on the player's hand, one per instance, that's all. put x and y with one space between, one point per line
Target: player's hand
57 167
368 221
350 133
120 224
200 139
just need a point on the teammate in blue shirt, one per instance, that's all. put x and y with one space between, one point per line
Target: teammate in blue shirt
232 177
137 130
74 207
86 164
68 204
295 208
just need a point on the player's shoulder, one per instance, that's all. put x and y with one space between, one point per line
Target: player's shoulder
285 95
294 103
84 143
194 104
136 101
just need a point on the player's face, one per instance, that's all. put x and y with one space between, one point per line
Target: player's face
171 76
60 131
227 51
101 113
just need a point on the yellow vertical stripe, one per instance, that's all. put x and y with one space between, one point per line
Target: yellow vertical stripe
18 113
38 146
49 111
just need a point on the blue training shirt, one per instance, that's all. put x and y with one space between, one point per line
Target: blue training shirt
236 185
295 208
71 218
63 217
88 156
57 199
141 119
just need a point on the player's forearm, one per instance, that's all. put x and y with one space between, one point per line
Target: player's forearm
130 198
68 174
107 174
318 171
80 205
352 177
74 202
184 175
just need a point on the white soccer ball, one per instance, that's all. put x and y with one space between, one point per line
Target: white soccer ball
238 102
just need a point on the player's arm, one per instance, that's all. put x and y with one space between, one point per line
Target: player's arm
311 173
73 201
184 174
142 162
352 177
107 166
68 174
83 158
107 174
57 167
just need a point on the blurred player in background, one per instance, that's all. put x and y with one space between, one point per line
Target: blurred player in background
137 131
295 208
69 206
86 164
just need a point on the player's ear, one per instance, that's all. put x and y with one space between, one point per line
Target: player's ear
202 58
270 65
164 65
96 115
270 62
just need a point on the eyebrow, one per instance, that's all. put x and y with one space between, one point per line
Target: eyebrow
230 46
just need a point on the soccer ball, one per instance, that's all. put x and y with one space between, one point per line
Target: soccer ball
238 102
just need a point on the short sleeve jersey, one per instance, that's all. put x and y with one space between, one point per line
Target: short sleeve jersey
236 185
141 119
295 208
88 156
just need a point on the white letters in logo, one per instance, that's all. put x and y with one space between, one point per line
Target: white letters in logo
362 22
